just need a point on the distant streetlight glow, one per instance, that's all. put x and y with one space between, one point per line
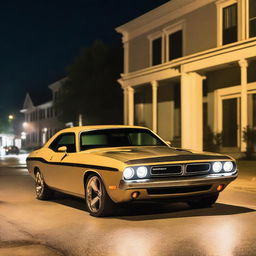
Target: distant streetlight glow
11 117
25 124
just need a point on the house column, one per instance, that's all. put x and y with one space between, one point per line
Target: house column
125 101
125 41
154 85
130 105
192 111
244 107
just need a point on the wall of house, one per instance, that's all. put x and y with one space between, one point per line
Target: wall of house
169 111
139 53
35 128
165 106
143 106
198 25
224 78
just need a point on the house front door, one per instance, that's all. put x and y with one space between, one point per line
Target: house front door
231 122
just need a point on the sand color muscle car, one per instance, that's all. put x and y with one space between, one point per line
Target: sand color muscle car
115 164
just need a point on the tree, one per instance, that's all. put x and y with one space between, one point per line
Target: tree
91 88
4 125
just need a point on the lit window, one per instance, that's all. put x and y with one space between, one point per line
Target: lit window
229 32
252 18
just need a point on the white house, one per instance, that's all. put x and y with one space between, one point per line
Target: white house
41 121
189 64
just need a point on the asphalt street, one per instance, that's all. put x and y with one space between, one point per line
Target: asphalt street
63 227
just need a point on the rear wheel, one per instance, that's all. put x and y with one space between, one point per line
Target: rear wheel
43 192
204 202
97 199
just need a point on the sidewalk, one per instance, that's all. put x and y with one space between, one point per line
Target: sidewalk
246 176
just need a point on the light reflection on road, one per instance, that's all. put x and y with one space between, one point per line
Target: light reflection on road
135 241
222 238
14 160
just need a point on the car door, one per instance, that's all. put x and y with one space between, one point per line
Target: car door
60 168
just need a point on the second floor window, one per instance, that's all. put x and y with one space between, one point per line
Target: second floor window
252 18
175 45
157 51
229 24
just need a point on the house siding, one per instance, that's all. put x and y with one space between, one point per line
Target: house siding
198 25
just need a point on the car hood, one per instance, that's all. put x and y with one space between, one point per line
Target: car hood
143 155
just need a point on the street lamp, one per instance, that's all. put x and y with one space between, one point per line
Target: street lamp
11 117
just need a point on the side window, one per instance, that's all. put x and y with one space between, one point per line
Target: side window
252 18
229 30
157 51
67 139
175 45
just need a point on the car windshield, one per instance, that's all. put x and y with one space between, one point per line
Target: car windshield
118 138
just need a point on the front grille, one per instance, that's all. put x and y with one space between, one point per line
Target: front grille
178 190
197 168
166 170
176 170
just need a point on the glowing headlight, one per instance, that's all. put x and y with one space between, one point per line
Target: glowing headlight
128 173
217 166
228 166
142 172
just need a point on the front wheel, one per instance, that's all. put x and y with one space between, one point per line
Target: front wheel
97 199
204 202
43 192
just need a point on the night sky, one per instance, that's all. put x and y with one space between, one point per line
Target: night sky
40 38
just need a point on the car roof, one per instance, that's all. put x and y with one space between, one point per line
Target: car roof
97 127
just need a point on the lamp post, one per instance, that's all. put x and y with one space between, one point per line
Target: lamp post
11 129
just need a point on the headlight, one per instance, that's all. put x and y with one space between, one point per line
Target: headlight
142 172
228 166
217 166
128 173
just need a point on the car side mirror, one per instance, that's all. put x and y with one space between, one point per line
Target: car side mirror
62 149
168 143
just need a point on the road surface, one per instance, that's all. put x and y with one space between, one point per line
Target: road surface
63 227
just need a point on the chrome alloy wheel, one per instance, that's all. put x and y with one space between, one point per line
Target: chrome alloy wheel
39 184
94 194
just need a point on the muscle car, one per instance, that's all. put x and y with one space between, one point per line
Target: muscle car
108 165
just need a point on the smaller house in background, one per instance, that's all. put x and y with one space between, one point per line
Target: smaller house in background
41 118
9 139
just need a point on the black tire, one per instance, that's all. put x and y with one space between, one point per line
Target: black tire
204 202
97 200
43 192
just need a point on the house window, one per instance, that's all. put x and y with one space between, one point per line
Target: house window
157 51
229 23
175 45
252 18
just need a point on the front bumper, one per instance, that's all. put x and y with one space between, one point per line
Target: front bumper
126 188
179 182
